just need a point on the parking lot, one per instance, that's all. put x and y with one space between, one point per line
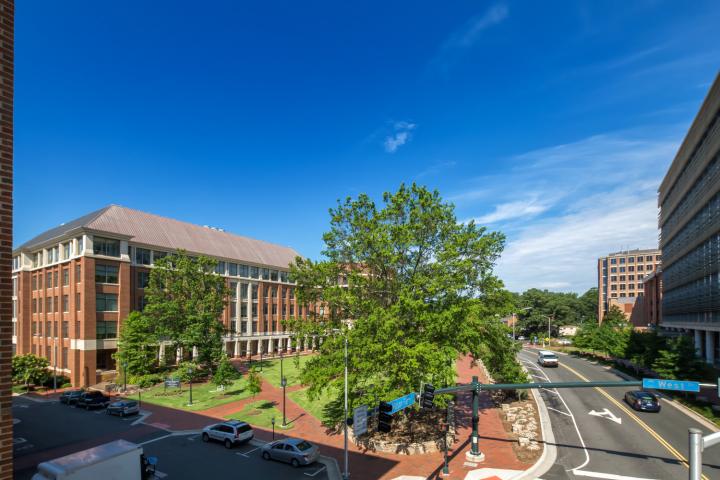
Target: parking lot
187 456
48 429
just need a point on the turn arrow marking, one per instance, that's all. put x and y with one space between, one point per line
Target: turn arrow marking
606 414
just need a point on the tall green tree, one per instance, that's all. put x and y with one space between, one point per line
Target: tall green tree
611 337
137 345
407 285
30 369
224 374
185 301
677 360
254 382
587 306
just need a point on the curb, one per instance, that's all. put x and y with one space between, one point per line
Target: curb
549 455
690 413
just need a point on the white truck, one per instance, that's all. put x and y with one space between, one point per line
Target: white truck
118 460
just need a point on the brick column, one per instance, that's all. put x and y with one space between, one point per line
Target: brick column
7 39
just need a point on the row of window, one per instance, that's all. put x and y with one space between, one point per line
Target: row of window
630 286
622 260
52 255
62 363
104 302
614 278
631 268
52 278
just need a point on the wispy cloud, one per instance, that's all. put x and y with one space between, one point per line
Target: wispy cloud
468 35
564 206
399 137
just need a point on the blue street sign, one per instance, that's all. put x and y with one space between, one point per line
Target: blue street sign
402 402
675 385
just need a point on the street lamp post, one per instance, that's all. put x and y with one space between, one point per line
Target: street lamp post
261 352
273 426
283 383
190 373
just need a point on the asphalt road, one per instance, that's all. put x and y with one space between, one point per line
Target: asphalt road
616 442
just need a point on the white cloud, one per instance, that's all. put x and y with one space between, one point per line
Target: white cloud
564 206
399 137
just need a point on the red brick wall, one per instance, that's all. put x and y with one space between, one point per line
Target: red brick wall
7 39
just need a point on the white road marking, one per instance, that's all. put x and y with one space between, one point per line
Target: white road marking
554 392
322 469
18 440
608 476
250 451
558 411
606 414
156 439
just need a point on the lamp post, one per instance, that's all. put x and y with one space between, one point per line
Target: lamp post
55 369
190 372
273 426
124 365
283 383
261 352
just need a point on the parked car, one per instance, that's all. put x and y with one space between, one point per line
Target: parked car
294 451
547 359
641 400
229 433
122 408
93 399
71 396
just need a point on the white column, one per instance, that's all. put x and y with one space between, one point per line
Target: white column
194 353
178 355
698 342
161 353
710 347
236 352
259 346
288 344
314 342
270 345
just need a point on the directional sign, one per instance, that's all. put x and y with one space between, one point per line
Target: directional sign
606 414
402 402
360 420
172 382
675 385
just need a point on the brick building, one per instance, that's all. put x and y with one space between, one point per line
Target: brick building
652 298
7 64
620 280
75 283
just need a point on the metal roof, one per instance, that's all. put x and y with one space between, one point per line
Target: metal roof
166 233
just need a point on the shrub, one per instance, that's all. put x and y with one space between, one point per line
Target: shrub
145 381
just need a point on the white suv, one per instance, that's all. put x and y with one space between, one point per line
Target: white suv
547 359
229 433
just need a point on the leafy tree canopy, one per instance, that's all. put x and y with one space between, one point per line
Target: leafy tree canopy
30 369
137 344
534 306
415 285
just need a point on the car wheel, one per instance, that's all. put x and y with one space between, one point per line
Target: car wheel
228 443
294 463
266 455
206 437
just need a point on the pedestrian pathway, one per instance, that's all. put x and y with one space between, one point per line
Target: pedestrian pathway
494 441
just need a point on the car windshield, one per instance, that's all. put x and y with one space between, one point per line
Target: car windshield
549 355
302 446
645 396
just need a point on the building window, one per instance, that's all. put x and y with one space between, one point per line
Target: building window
142 302
613 261
233 290
48 282
77 302
142 256
55 279
66 277
106 246
622 278
106 302
65 357
284 277
254 272
631 268
106 273
622 269
243 310
232 269
233 310
631 286
81 245
648 258
265 274
158 255
243 290
49 304
613 287
34 305
649 267
274 308
40 305
254 311
78 271
640 286
57 304
66 250
66 304
631 259
105 330
143 279
613 278
48 328
622 261
613 269
658 258
274 275
244 271
265 308
254 292
640 268
34 282
65 329
220 268
622 286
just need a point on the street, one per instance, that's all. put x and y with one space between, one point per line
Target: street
599 436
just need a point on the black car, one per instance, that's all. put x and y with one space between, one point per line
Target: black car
71 396
93 399
644 401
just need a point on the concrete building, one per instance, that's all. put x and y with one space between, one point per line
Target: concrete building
620 277
689 221
75 283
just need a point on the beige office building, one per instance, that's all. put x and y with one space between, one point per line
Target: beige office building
620 279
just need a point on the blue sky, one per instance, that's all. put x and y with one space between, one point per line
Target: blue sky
553 122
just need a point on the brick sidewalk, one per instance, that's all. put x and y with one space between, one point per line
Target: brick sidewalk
494 441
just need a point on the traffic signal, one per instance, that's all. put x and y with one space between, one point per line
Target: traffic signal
428 396
349 421
384 417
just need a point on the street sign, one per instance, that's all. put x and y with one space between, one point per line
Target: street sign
402 402
675 385
360 420
172 382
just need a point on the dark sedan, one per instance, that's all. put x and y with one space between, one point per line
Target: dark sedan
644 401
93 399
71 396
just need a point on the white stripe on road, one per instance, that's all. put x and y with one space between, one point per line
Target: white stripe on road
607 476
322 469
558 411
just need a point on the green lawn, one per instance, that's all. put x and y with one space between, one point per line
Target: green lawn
314 408
205 395
271 370
260 414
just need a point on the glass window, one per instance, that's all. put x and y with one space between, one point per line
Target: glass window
66 304
622 286
66 250
244 270
243 310
141 303
106 273
266 274
48 304
631 268
640 286
66 277
233 310
232 269
243 290
40 305
622 278
81 245
34 305
55 278
106 330
631 259
613 278
613 269
254 292
233 289
220 268
77 302
613 287
158 255
254 272
106 302
57 304
622 260
622 269
284 277
34 282
658 258
106 246
142 256
143 279
274 275
613 261
78 271
648 258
